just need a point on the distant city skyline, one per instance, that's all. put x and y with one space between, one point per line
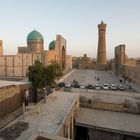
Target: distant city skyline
75 20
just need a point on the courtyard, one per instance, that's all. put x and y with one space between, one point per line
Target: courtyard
104 77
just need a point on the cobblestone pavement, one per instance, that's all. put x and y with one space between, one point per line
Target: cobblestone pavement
90 76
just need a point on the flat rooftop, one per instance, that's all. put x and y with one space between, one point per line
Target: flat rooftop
52 113
108 96
4 83
109 120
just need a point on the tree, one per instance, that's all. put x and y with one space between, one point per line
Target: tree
40 76
57 69
37 75
53 71
50 75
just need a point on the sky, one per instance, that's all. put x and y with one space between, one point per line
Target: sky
75 20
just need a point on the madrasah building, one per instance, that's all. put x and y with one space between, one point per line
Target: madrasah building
17 65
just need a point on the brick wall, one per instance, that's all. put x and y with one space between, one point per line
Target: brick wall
11 97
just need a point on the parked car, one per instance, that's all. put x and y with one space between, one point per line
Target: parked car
61 84
72 84
89 86
113 87
121 87
97 86
105 86
67 84
76 84
82 85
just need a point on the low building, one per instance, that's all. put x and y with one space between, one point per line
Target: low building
53 119
100 124
84 62
99 115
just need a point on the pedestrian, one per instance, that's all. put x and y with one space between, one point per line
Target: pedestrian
26 97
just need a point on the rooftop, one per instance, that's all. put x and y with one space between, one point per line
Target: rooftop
108 96
121 122
51 116
9 83
34 35
52 45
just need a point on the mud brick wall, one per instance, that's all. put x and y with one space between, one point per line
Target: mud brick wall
11 98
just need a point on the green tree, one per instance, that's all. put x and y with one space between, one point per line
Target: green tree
50 75
37 75
57 69
53 71
40 76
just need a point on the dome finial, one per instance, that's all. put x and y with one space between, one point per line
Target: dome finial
102 22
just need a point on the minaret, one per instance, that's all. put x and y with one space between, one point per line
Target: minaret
101 55
1 48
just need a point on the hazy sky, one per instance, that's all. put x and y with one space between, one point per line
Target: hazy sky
75 20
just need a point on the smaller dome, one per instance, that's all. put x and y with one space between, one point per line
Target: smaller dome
52 45
34 35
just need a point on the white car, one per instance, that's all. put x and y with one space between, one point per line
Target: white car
67 84
113 87
121 87
97 86
105 86
82 85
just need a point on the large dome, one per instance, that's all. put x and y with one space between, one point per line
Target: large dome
34 35
52 45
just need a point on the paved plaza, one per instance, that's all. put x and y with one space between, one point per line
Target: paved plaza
90 76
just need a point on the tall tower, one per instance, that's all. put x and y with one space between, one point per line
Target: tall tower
1 48
101 55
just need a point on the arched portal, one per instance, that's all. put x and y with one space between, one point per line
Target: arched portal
63 57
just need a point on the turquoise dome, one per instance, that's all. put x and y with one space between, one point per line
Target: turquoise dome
34 35
52 45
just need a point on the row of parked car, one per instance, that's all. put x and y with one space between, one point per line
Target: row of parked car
113 87
76 84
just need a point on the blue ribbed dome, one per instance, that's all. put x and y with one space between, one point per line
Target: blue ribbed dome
52 45
34 35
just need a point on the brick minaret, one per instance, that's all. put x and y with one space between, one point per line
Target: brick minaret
101 55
